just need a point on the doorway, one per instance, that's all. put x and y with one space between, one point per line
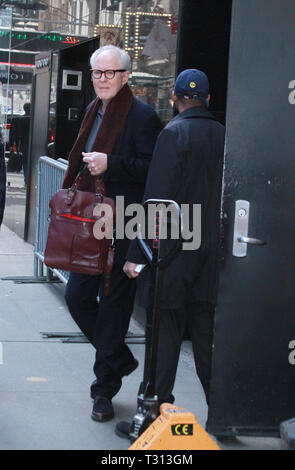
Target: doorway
245 50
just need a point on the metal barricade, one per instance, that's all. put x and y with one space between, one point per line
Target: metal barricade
50 175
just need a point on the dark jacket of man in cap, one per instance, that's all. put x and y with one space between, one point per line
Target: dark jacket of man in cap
186 167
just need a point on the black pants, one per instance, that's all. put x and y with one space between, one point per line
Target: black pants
105 324
198 320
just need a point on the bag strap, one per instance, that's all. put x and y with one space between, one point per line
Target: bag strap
99 184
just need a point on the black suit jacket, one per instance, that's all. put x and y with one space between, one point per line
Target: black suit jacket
187 167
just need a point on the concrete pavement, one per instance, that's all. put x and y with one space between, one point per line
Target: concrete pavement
44 391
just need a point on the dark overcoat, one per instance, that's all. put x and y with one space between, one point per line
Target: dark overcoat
187 167
127 165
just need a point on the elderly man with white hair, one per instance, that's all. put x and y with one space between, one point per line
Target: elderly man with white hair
116 140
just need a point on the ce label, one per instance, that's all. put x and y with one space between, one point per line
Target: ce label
182 429
179 429
292 94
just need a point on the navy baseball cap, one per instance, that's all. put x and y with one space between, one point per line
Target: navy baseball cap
191 84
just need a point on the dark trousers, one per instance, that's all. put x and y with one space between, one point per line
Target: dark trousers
105 324
198 320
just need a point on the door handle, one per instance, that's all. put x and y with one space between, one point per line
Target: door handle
240 238
251 241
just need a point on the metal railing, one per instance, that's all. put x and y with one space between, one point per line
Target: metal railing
50 174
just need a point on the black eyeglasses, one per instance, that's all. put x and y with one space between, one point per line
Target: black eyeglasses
107 73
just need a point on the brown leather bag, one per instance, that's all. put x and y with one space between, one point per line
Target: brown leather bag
71 244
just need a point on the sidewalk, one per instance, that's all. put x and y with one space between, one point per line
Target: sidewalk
44 391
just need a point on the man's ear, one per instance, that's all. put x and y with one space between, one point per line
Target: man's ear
125 77
174 97
208 98
175 100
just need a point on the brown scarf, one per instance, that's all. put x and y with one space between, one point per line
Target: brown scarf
110 129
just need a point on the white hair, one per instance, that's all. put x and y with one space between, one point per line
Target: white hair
124 57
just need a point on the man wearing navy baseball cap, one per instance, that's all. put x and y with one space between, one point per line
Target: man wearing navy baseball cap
186 167
193 84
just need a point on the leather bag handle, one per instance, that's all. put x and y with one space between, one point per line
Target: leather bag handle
99 184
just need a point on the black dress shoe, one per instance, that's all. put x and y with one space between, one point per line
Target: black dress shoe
122 429
102 409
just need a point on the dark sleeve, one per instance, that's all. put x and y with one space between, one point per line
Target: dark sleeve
163 179
135 254
133 167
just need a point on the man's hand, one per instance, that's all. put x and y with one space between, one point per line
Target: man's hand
97 162
129 270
